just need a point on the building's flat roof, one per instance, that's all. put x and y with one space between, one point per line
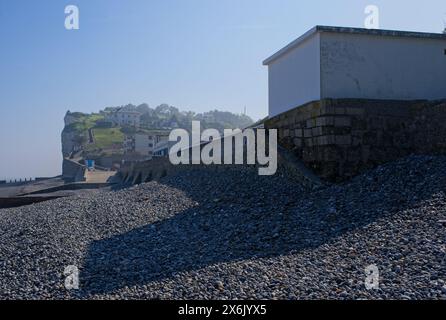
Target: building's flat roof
144 131
374 32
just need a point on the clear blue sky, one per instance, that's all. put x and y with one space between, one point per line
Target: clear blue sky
194 54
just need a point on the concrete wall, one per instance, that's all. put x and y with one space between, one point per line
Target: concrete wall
341 138
13 202
144 144
294 79
382 67
73 171
159 168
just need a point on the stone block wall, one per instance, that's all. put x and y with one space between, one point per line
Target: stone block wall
340 138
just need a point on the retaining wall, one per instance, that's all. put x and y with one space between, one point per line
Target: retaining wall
341 138
73 171
158 168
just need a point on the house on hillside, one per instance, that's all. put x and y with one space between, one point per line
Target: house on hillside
124 116
337 62
142 144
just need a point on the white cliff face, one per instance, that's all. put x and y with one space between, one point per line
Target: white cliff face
69 118
70 138
68 142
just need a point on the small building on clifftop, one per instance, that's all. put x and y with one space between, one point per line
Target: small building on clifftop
345 100
124 116
337 62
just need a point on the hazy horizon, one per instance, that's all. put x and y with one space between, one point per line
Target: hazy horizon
196 55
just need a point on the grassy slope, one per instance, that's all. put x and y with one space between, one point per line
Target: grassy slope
106 140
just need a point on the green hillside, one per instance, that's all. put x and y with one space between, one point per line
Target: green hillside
98 138
106 141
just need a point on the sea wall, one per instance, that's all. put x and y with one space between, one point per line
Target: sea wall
73 171
340 138
158 168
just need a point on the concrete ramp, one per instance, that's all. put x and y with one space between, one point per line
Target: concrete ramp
99 176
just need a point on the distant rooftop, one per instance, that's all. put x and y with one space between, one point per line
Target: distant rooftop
374 32
153 131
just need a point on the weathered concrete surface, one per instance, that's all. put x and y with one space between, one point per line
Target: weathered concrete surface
20 194
73 171
14 189
67 188
13 202
99 176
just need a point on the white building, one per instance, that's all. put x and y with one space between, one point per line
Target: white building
143 143
124 117
336 62
162 148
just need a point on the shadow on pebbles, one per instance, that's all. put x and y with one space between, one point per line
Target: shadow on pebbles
231 234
